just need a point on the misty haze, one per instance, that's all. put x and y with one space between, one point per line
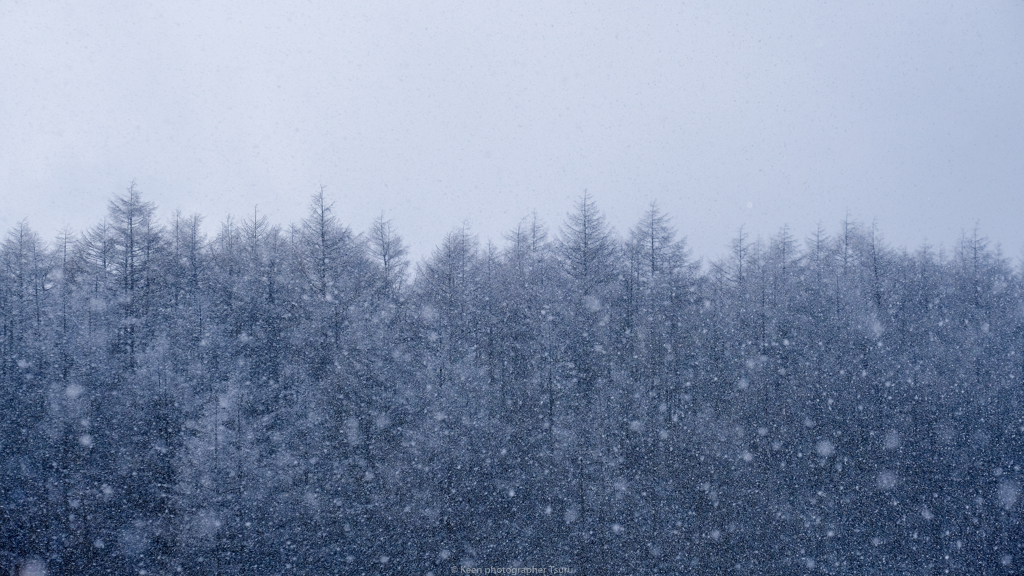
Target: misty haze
511 288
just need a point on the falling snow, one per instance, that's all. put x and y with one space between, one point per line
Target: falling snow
305 400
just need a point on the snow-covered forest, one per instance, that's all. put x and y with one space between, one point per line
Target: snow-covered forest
304 399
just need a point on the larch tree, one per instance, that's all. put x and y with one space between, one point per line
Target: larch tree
391 256
588 252
587 247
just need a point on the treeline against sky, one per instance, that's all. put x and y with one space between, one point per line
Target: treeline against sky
295 400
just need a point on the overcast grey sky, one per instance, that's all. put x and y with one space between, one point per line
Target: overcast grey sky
435 113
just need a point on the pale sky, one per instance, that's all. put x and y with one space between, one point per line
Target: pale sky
728 114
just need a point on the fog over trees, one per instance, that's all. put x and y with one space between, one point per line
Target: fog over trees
304 399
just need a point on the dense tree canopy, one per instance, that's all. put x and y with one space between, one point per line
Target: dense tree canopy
290 400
